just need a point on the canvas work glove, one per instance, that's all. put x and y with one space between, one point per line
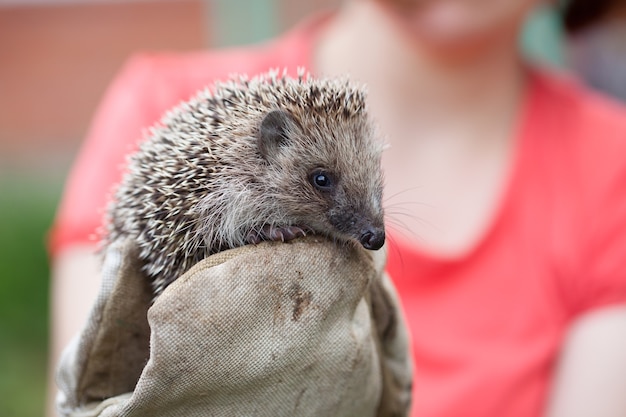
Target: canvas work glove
298 329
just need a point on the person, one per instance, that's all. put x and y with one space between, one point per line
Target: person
505 193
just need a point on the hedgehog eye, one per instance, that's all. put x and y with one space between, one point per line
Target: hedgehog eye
322 180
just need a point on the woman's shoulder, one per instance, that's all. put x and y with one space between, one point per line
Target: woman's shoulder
187 72
581 109
587 128
206 66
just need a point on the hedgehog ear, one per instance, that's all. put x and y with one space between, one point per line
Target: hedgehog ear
274 132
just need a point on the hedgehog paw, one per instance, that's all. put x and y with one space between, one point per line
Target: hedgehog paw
277 234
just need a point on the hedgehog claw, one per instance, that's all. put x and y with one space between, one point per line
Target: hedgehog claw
288 233
254 238
276 234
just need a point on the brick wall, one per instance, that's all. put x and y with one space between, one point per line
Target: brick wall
55 60
57 57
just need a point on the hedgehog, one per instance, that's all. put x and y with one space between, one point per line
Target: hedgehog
248 160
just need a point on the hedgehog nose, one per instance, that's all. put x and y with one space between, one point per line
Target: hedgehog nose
373 239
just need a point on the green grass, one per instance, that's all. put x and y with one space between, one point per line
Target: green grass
26 211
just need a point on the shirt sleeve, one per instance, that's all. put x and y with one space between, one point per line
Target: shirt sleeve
129 105
603 279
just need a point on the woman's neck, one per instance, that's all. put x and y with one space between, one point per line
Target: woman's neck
420 85
450 123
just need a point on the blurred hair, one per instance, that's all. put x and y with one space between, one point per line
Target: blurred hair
581 14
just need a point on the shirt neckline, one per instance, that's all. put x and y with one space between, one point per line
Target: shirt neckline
523 132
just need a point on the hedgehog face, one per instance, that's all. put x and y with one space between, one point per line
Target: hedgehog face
328 174
358 216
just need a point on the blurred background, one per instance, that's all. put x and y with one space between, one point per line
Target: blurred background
56 58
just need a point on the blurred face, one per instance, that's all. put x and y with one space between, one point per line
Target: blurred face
458 25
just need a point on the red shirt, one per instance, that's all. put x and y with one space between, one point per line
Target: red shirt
487 326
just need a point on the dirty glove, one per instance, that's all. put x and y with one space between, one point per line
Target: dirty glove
298 329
